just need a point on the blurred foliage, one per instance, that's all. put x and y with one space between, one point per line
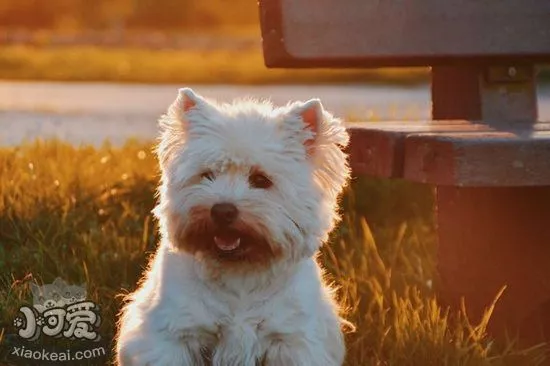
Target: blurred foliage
215 66
131 14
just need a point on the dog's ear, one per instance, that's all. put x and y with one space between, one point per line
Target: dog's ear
323 136
314 126
187 100
188 108
311 114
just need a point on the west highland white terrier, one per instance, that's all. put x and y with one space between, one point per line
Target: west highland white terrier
248 195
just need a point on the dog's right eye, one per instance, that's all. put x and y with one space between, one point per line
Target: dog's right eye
207 175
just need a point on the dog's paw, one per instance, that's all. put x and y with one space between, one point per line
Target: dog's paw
152 352
237 345
281 353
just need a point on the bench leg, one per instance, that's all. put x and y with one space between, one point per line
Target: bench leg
490 237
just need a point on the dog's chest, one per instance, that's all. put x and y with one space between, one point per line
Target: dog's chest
254 319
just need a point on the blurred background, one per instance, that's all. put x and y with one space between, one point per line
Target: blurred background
124 15
115 65
211 41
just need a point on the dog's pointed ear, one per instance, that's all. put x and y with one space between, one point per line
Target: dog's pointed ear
187 100
324 137
311 114
187 107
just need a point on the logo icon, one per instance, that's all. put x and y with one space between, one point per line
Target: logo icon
62 313
59 310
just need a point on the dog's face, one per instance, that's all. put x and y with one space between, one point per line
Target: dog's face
248 184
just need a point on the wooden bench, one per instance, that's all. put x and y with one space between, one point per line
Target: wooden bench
485 150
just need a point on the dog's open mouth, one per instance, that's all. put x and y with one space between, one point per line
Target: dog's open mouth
237 243
230 243
227 240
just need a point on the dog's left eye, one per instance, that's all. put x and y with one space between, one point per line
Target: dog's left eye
258 180
207 175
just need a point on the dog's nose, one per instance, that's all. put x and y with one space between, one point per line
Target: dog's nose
224 213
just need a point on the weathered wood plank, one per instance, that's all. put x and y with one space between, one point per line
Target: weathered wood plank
373 33
459 153
497 159
376 148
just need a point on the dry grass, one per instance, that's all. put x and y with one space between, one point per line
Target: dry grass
83 214
192 66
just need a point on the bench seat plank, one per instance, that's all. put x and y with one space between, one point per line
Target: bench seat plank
460 153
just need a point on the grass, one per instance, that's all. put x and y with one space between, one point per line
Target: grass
83 214
140 65
190 65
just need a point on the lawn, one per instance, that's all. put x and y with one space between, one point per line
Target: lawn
83 214
191 64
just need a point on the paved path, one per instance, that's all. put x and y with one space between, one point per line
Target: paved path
93 112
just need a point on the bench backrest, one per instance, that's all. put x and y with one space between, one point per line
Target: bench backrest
374 33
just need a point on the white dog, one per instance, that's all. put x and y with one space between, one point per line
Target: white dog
248 195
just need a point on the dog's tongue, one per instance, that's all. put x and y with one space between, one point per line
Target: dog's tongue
227 241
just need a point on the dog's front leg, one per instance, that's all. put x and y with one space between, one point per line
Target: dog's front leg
155 351
291 351
237 346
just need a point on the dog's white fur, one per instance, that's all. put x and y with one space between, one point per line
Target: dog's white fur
191 307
